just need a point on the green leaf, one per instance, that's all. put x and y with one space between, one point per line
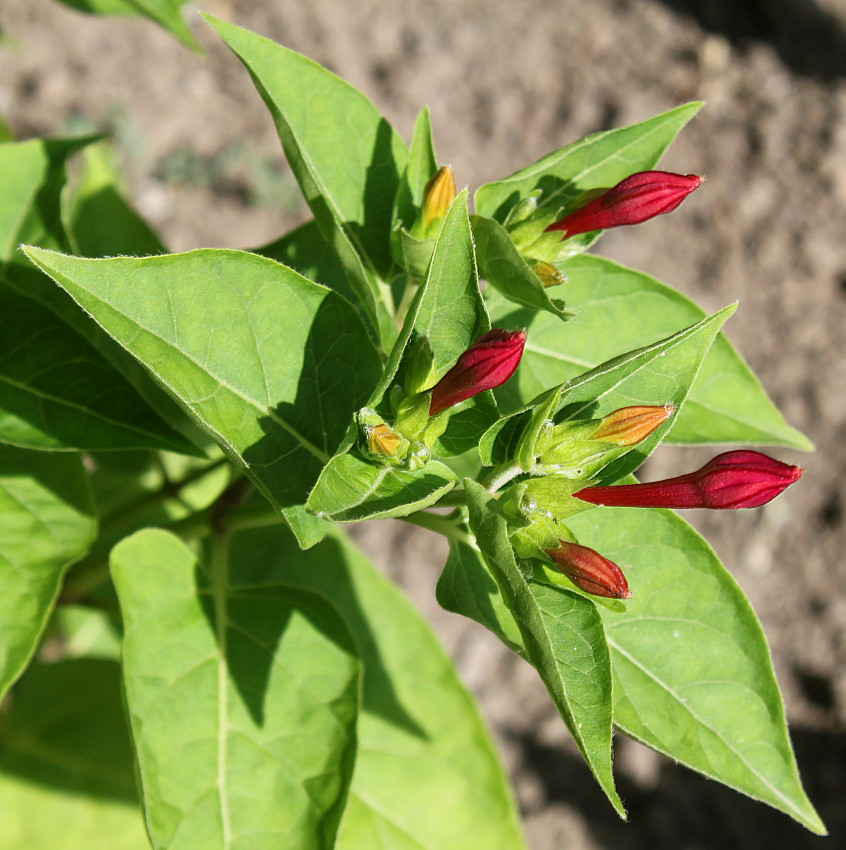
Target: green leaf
350 193
421 167
598 161
656 374
101 222
164 12
426 773
66 771
242 701
693 677
5 132
351 489
620 309
307 252
32 182
58 393
467 587
502 266
563 638
271 365
46 523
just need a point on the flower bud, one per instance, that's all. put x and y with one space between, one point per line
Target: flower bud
383 441
739 479
589 571
487 364
637 198
629 425
437 197
547 274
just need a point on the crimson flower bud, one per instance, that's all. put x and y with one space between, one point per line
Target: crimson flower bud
487 364
740 479
637 198
589 571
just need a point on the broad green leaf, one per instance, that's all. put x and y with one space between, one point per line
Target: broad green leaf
32 182
46 523
270 364
598 161
351 489
66 773
426 773
307 252
57 393
344 154
164 12
656 374
693 677
242 701
502 266
620 309
101 222
563 638
467 587
421 167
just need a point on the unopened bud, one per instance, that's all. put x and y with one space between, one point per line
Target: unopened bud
636 199
488 363
383 441
589 570
739 479
629 425
437 197
547 274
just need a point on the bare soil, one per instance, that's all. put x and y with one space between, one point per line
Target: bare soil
506 83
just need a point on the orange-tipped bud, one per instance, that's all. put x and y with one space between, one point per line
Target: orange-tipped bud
589 571
382 440
629 425
437 196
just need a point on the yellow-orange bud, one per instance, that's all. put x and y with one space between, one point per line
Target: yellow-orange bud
381 440
629 425
547 274
437 196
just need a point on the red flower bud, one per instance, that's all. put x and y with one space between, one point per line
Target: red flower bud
487 364
740 479
589 571
633 200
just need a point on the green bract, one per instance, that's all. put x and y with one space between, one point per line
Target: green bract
180 432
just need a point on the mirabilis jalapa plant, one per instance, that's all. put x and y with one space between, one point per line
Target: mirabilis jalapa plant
279 692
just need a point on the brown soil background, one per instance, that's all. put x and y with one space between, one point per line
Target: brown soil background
506 83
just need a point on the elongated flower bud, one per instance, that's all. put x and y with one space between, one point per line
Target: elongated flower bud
629 425
633 200
589 571
437 196
487 364
740 479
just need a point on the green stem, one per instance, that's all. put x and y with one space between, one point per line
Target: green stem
500 476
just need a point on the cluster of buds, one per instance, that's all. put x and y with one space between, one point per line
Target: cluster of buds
422 416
